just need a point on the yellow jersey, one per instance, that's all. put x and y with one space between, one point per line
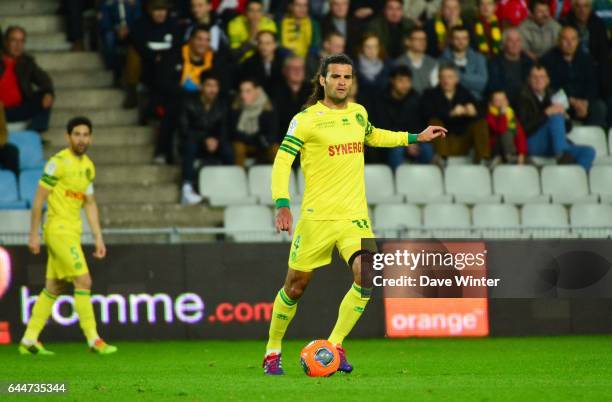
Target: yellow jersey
331 146
70 178
238 32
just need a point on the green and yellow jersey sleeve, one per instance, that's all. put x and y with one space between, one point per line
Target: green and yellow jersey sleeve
52 172
378 137
289 148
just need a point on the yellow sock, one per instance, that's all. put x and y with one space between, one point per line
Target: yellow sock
84 309
282 314
40 314
351 308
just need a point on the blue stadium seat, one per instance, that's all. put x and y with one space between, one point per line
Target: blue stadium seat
28 182
30 149
9 196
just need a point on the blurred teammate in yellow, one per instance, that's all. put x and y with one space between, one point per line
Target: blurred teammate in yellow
67 186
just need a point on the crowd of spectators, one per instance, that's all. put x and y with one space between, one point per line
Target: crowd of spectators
508 78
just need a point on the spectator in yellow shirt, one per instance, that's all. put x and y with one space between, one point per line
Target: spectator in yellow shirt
299 33
243 29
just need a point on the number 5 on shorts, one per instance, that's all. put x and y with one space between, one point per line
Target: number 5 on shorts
74 253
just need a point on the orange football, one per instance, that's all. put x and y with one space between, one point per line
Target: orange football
320 358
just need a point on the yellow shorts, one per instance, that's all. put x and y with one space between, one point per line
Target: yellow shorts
66 260
313 241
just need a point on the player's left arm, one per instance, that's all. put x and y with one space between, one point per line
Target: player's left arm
378 137
93 217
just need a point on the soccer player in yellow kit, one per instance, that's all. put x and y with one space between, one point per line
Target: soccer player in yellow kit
330 135
67 186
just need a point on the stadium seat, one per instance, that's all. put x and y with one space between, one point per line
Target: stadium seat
30 149
15 221
225 185
545 220
518 184
496 220
28 182
591 220
260 182
9 193
421 184
470 184
398 220
540 161
250 223
447 220
600 180
594 136
380 188
567 184
459 160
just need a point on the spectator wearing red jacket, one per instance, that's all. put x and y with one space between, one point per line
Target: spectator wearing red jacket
506 135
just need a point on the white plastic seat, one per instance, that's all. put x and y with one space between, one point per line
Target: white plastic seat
543 160
225 185
594 136
518 184
470 184
600 180
447 220
545 220
591 220
380 188
260 184
421 184
15 221
496 220
250 223
567 184
459 160
393 220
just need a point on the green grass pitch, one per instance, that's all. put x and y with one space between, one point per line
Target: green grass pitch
576 368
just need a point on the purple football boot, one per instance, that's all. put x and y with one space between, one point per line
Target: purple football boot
272 364
345 366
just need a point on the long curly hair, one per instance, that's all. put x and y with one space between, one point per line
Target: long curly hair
318 92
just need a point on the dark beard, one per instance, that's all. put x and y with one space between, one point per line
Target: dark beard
77 152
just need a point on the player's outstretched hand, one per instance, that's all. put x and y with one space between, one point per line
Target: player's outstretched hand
100 251
431 133
284 220
34 243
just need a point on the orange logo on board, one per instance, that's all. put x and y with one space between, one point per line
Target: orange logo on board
436 317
